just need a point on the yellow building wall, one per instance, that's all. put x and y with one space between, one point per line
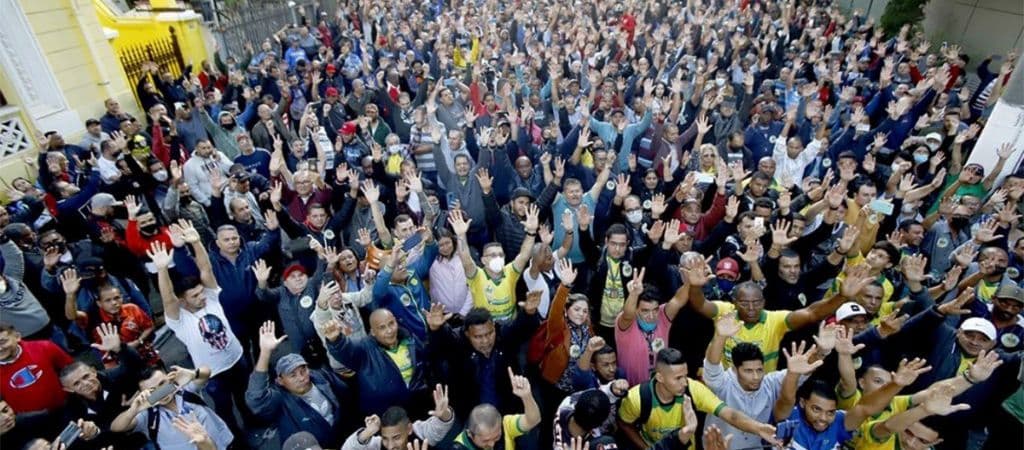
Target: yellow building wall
82 61
138 28
85 61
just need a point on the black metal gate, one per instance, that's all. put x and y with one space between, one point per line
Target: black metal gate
165 52
255 20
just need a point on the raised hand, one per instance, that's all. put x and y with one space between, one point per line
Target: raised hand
532 219
696 272
849 238
160 255
987 231
715 440
844 342
857 278
485 179
957 305
371 191
939 401
595 343
636 285
132 206
460 225
70 281
566 273
826 337
110 339
333 329
189 426
268 337
891 324
798 358
983 367
532 302
913 267
727 325
188 232
520 385
436 317
261 270
440 401
780 233
908 371
584 217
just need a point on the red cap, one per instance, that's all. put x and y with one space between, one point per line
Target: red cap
348 128
331 92
728 266
331 68
294 267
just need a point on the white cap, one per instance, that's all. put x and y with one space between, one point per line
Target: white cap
848 310
933 135
980 325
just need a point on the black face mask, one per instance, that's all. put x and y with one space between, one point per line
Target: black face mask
998 270
229 126
149 229
960 223
186 198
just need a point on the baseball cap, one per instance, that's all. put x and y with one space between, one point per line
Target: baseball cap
288 363
933 136
103 200
977 168
88 263
331 91
302 440
522 192
293 267
91 122
1010 291
348 128
980 325
728 266
848 310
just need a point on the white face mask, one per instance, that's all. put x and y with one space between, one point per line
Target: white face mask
496 264
720 82
635 217
896 166
863 127
160 176
394 149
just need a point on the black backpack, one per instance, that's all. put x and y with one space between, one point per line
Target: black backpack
153 418
647 401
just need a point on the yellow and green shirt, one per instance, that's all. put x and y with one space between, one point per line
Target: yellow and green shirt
864 439
666 417
497 296
510 429
402 359
614 295
766 333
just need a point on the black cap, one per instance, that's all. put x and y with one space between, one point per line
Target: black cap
91 122
522 192
88 262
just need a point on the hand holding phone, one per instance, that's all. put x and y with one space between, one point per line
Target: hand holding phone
70 434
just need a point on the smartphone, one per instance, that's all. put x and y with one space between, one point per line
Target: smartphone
161 393
449 82
881 206
705 178
70 434
412 242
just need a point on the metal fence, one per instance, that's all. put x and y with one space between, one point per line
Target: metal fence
165 52
255 20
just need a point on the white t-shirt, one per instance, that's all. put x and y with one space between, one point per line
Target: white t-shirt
207 334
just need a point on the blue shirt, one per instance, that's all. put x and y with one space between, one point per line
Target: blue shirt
559 207
797 433
258 162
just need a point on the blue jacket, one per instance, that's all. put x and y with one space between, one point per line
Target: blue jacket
237 281
380 383
291 414
406 301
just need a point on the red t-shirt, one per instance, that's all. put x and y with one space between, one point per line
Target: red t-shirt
32 382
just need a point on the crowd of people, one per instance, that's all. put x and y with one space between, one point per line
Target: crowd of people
535 224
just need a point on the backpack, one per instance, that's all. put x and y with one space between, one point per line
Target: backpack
153 418
647 401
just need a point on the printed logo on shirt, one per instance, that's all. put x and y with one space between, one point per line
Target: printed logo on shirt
1009 340
26 377
213 331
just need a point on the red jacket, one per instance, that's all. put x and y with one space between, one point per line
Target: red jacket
138 244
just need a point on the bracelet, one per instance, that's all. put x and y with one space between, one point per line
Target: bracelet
567 232
534 234
968 378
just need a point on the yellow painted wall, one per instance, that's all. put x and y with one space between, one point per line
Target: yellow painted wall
82 60
135 28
